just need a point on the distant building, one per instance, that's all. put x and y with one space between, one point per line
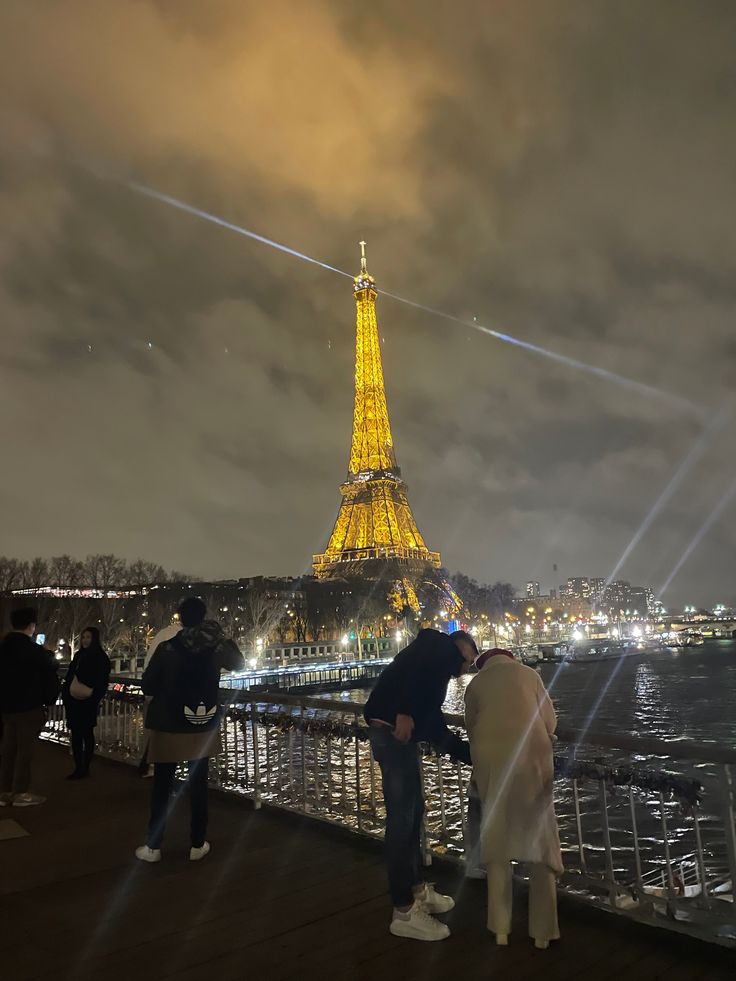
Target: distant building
532 590
638 601
576 588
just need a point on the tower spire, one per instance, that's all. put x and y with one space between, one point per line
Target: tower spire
363 266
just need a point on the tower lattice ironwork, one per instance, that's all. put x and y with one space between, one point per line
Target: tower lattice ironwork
375 528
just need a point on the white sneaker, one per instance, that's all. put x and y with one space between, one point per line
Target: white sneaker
541 944
146 854
195 854
434 902
417 924
28 800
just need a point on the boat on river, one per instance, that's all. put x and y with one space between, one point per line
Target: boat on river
592 651
684 638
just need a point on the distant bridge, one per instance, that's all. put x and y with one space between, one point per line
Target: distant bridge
708 628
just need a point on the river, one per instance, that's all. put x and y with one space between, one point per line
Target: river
689 694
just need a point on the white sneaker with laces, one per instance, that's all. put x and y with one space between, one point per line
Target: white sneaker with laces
146 854
434 902
28 800
195 854
417 924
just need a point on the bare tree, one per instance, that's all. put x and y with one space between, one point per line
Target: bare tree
65 572
262 611
74 614
113 617
36 574
12 574
142 573
103 572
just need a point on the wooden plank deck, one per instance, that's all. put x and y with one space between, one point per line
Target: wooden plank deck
279 897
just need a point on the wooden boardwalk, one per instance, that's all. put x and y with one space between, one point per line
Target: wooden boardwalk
279 897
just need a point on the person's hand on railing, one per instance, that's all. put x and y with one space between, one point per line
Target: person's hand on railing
404 728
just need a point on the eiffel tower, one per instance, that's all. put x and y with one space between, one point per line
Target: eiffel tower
375 534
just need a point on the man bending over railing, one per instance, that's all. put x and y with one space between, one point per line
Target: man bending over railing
405 708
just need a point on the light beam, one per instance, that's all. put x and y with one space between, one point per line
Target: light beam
702 531
641 388
701 444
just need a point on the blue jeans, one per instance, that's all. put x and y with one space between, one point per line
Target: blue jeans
402 794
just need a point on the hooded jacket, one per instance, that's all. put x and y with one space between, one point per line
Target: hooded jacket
183 679
415 684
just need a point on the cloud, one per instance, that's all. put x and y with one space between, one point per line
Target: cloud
559 171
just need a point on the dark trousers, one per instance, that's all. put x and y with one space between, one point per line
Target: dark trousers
162 805
20 737
83 746
402 794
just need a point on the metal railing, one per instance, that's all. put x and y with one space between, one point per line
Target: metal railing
647 826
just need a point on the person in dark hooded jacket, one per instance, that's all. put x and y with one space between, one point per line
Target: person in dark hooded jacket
183 719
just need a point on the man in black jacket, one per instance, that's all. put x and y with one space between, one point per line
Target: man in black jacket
28 683
405 708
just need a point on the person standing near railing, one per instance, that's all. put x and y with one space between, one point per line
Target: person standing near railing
28 685
511 722
84 688
183 719
405 708
166 633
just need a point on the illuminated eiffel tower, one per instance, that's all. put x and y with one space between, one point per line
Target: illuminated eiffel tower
375 534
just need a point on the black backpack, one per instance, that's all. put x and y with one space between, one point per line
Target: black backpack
193 695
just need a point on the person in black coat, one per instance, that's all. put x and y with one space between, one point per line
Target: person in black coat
84 688
28 684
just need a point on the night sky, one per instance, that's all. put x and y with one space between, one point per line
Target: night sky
563 171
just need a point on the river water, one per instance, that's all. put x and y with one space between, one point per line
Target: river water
689 694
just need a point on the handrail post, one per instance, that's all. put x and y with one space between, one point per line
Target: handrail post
607 841
730 827
256 755
358 795
424 837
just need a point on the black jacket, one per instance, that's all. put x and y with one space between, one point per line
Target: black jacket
415 684
183 678
28 674
92 667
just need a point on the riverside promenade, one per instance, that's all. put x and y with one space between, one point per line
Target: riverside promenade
280 896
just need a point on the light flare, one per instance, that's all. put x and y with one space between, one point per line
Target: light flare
718 422
700 534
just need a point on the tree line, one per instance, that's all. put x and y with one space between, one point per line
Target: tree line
98 572
130 601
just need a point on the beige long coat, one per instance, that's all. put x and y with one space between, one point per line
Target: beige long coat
510 722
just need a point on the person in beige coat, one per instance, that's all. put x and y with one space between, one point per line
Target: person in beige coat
511 722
